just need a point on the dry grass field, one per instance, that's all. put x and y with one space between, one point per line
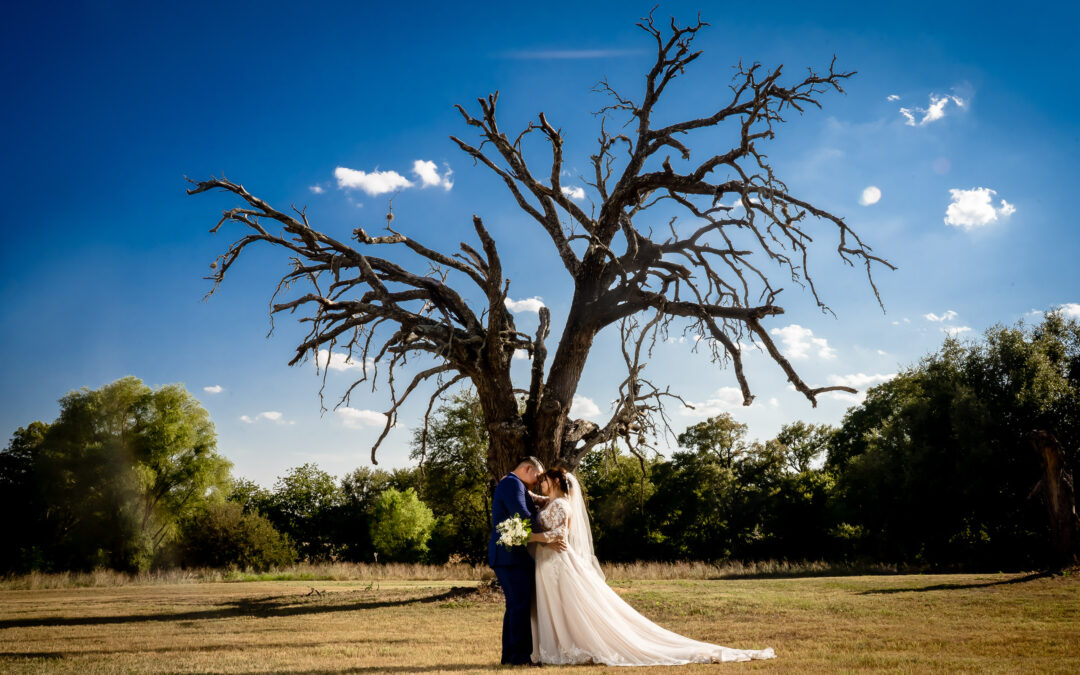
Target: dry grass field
909 623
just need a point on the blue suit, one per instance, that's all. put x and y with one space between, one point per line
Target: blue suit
514 569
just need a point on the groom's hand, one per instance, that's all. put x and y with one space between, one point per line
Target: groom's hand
558 543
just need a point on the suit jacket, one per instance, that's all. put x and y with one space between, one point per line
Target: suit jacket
511 497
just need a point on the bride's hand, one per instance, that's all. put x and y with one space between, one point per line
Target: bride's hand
557 542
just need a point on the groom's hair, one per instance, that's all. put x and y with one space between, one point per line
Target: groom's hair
531 460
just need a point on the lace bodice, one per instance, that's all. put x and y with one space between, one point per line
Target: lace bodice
555 518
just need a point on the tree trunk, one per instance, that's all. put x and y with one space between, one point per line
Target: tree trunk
1059 497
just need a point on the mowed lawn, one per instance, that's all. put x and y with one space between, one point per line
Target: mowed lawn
917 623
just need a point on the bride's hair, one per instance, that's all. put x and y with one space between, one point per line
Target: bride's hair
558 476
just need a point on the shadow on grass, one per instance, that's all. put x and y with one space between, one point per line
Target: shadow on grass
276 606
449 667
73 653
959 587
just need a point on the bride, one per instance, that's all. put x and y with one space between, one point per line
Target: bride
578 618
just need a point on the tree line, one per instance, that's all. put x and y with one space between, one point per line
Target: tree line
962 461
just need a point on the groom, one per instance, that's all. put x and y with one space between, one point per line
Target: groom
514 566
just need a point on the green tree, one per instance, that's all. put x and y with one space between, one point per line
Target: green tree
937 466
305 504
360 491
803 444
618 486
452 452
721 436
24 546
401 526
117 471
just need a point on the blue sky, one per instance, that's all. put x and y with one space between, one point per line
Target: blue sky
109 105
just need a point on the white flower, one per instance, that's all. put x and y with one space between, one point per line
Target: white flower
513 531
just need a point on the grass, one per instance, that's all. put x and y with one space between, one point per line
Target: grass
894 623
420 572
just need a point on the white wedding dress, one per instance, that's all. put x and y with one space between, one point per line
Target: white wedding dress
577 618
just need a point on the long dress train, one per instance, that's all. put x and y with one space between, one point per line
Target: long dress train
579 619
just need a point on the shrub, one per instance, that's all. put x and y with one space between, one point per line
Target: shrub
222 535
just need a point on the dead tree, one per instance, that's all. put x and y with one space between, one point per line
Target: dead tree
669 239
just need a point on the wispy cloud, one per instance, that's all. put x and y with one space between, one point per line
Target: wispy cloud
918 117
317 189
953 331
527 305
871 195
799 342
949 315
354 418
555 54
272 415
892 97
214 389
339 361
725 398
860 381
975 208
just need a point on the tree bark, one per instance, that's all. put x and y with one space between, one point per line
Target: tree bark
1058 495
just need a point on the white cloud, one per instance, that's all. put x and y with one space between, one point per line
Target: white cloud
215 389
871 195
583 407
725 398
949 315
574 192
1070 310
892 97
359 419
317 189
799 341
338 361
374 183
527 305
860 380
429 174
975 208
933 113
521 354
272 415
774 402
953 331
882 352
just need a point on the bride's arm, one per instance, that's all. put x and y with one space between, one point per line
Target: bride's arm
539 499
559 522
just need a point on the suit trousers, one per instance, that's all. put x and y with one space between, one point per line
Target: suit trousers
517 582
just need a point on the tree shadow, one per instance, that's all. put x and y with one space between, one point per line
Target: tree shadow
74 653
269 607
451 667
959 587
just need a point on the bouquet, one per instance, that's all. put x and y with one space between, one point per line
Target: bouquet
514 531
